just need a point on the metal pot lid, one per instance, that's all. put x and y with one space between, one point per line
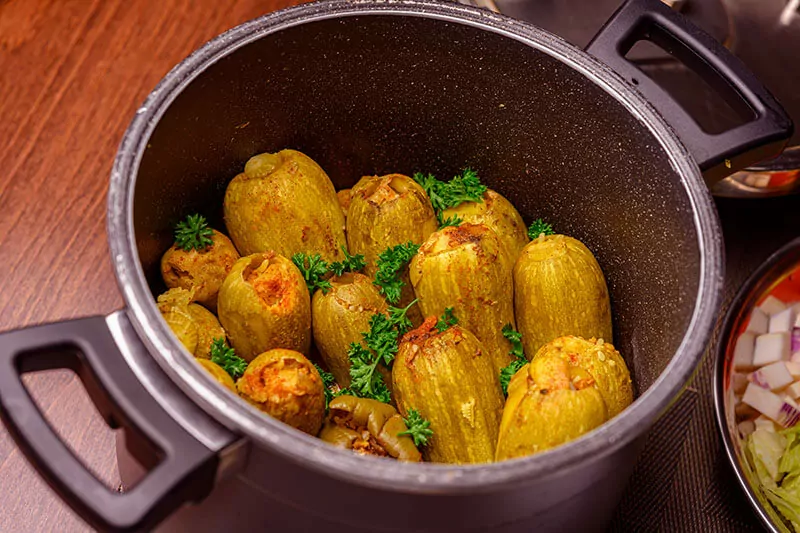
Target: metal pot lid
763 33
313 453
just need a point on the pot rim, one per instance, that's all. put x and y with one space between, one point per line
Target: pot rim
300 448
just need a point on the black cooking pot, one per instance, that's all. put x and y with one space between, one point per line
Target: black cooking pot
397 86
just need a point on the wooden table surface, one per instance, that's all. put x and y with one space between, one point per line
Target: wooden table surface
72 73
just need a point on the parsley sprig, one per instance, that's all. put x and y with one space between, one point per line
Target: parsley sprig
390 263
314 268
466 187
399 317
382 343
343 392
454 221
365 382
351 263
517 352
226 357
538 227
447 320
433 189
193 233
328 381
418 428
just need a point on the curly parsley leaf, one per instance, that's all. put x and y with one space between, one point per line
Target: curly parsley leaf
351 263
447 320
193 233
516 352
433 188
344 392
365 381
507 372
419 429
539 227
328 381
313 268
382 342
454 221
382 337
327 378
515 337
466 187
399 317
391 263
226 358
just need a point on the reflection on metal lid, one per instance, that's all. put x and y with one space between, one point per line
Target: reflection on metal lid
776 177
764 34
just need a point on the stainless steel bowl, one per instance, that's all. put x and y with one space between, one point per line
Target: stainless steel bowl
777 268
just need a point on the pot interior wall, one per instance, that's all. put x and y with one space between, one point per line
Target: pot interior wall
383 93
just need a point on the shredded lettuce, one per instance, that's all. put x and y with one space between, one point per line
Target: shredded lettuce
775 457
790 462
766 449
787 503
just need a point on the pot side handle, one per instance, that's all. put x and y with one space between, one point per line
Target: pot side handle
718 155
185 470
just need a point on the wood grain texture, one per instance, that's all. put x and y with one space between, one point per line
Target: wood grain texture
72 73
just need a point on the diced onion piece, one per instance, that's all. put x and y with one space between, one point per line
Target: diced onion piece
786 398
771 348
793 368
759 322
762 400
794 390
772 305
771 405
795 340
743 351
783 321
762 422
789 415
773 377
746 427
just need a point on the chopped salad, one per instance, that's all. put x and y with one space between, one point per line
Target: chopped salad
766 384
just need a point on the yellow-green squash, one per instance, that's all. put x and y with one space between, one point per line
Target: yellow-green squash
201 271
549 403
449 378
498 214
284 202
264 304
464 268
559 289
194 325
285 385
340 316
601 361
